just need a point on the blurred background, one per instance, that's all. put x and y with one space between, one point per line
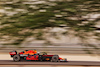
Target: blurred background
70 28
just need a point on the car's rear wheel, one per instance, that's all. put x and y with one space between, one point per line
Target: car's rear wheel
55 58
16 58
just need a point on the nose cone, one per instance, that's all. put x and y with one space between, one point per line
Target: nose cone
63 60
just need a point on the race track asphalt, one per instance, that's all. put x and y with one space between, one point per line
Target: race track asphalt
83 63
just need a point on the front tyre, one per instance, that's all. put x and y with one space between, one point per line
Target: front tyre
55 58
16 58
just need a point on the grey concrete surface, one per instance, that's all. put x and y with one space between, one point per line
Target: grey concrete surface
70 63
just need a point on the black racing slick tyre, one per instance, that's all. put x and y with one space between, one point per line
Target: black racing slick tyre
55 58
16 58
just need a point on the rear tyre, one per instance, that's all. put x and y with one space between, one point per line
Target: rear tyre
16 58
55 58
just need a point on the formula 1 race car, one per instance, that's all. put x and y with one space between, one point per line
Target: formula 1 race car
33 55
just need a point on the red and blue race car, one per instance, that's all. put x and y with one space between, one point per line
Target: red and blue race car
34 55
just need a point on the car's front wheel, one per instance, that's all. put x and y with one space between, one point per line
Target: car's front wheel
55 58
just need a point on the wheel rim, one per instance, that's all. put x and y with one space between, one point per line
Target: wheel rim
16 57
55 58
